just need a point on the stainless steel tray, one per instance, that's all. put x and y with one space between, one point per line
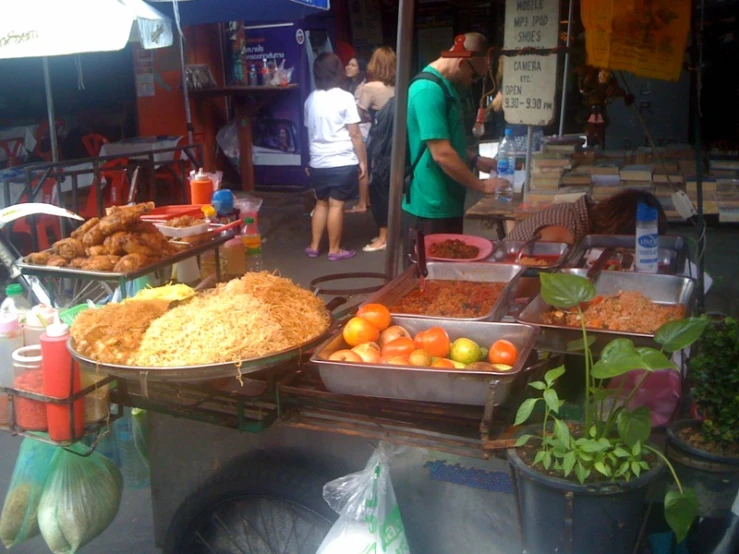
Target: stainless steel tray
396 289
507 248
673 251
662 289
453 386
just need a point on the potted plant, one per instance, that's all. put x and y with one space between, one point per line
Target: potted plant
581 486
706 453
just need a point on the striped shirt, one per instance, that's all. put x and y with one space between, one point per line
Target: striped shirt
573 216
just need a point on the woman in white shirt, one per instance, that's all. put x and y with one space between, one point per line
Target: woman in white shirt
337 155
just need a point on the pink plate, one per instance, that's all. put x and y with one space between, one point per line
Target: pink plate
485 246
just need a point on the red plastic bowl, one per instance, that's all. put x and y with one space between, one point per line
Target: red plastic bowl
485 246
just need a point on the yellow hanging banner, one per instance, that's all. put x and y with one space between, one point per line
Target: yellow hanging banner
645 37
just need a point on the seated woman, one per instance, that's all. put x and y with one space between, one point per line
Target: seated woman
572 221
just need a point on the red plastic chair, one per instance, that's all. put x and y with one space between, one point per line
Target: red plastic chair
115 173
180 166
93 143
43 138
46 225
14 150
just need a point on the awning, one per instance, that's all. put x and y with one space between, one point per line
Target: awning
196 12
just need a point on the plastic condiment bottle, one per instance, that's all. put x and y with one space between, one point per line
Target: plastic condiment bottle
29 377
11 339
201 188
37 319
253 244
235 255
15 302
647 239
61 380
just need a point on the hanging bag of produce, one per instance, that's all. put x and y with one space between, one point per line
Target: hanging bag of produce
18 520
80 500
369 516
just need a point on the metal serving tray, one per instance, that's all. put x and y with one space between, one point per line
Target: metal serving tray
508 248
662 289
673 251
453 386
396 289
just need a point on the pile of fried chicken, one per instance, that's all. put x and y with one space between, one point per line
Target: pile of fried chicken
119 242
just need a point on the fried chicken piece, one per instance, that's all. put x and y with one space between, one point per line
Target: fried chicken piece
159 243
77 262
144 207
80 231
184 221
100 250
93 237
114 243
133 262
101 263
118 221
38 258
136 244
69 248
144 227
57 261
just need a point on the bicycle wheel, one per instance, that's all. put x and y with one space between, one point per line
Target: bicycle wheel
66 293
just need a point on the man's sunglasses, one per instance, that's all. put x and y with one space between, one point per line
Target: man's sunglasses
476 75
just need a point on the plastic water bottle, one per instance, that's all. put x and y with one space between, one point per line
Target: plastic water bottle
506 167
16 302
647 239
253 244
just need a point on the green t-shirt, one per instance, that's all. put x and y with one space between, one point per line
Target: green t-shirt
433 193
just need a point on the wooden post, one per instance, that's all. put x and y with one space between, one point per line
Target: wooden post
246 163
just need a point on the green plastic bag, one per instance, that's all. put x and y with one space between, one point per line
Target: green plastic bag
81 498
18 520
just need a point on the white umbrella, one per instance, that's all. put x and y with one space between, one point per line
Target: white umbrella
33 28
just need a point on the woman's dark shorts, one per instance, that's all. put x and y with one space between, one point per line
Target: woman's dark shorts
339 183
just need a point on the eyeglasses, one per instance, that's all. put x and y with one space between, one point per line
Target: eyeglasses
476 75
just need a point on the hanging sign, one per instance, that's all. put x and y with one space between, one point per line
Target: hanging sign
318 4
529 81
646 38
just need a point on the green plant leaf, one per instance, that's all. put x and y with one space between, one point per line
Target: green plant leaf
592 432
553 374
552 400
601 468
634 426
618 357
644 465
525 409
655 359
581 473
522 440
622 469
680 511
635 468
579 344
590 446
562 432
565 291
539 457
676 335
568 463
538 385
636 449
547 461
621 453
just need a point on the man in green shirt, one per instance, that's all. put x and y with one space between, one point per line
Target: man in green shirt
435 203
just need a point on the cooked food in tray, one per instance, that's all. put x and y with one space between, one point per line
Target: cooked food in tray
183 221
118 242
629 311
454 249
533 261
457 299
623 259
255 316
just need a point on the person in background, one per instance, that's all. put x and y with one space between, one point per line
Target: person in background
356 75
437 139
569 222
376 93
356 78
337 154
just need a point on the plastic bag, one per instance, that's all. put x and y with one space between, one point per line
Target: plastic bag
369 517
228 139
81 498
18 520
660 392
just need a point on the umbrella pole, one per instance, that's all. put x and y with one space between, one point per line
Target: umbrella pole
397 167
50 110
566 76
185 92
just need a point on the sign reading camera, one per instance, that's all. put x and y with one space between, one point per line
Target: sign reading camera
529 81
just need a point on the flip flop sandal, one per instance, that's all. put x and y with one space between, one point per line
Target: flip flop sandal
342 255
311 253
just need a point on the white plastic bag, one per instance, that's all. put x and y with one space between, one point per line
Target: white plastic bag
369 517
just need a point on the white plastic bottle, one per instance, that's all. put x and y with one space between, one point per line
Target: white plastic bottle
506 167
16 302
647 239
37 319
11 339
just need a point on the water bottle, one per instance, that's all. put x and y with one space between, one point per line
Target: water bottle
253 76
647 239
15 303
253 244
506 167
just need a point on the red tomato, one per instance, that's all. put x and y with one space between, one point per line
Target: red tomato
435 341
503 352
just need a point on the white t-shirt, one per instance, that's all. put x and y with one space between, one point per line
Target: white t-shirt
327 114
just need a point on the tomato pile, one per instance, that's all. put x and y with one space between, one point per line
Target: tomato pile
373 339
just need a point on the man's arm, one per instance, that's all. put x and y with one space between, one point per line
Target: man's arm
359 148
448 159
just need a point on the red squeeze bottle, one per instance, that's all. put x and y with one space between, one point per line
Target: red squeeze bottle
56 364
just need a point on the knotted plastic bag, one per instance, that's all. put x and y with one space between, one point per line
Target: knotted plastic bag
369 517
18 520
81 498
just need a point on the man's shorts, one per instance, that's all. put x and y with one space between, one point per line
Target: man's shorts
339 183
